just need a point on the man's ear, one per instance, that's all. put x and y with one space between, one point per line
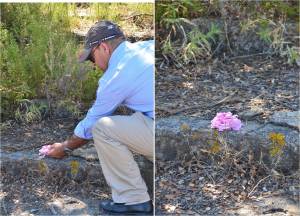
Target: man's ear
106 47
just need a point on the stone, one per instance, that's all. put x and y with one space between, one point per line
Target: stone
66 205
79 168
250 114
171 143
34 210
89 153
290 119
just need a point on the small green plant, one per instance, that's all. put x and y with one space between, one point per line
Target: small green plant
6 125
185 127
267 29
43 167
272 32
200 44
29 112
190 46
70 106
167 47
216 146
187 132
292 55
177 9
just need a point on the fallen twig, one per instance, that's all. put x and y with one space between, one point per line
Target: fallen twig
227 99
274 210
226 34
250 193
137 15
251 55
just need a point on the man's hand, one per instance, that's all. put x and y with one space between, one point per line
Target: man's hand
57 150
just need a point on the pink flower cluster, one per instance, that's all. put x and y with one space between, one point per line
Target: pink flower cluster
226 121
44 150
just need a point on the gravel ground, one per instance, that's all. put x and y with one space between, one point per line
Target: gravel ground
261 85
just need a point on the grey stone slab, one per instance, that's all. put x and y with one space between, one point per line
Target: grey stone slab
290 119
174 141
82 166
89 154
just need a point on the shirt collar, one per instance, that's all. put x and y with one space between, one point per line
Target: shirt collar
117 54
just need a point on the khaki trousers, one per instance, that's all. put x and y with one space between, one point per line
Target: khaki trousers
115 137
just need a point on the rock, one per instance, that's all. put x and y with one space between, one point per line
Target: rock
290 119
84 167
250 114
172 143
66 205
89 154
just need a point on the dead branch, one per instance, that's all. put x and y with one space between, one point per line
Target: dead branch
250 193
137 15
229 99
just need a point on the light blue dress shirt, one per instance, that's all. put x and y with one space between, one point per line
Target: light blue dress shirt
129 80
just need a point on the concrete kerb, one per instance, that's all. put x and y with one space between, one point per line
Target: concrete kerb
171 140
83 165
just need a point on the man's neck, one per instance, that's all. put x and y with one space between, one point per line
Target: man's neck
115 46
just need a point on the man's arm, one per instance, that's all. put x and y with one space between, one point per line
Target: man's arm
103 106
57 149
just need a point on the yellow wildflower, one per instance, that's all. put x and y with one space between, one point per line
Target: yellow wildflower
278 142
74 167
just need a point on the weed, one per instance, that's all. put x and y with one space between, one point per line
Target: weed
272 33
292 55
43 167
6 125
267 19
74 167
185 127
70 106
216 147
277 143
200 44
29 112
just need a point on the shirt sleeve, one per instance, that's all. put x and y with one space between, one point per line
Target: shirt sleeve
107 100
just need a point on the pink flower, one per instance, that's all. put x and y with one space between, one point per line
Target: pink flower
226 121
44 150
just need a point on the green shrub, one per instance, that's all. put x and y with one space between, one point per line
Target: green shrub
39 54
200 44
36 46
13 83
176 9
266 18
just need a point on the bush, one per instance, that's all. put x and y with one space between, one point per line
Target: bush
38 50
39 54
265 20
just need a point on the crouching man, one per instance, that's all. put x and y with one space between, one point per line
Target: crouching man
127 80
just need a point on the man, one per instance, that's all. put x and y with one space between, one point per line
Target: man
128 80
